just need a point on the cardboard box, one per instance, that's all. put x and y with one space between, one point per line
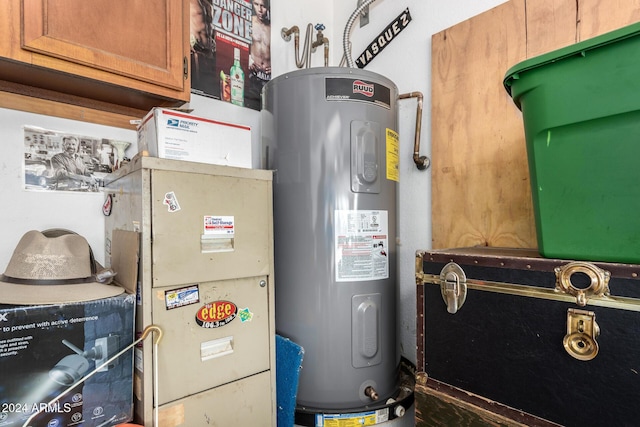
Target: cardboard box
44 349
170 134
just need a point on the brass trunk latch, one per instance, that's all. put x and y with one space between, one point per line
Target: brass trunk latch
598 277
453 285
582 331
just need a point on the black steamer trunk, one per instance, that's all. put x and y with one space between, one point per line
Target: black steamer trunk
525 340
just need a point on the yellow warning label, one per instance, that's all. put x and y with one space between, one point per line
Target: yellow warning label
393 156
358 421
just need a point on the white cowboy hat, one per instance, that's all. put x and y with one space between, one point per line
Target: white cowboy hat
54 267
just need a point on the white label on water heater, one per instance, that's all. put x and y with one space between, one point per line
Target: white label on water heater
361 245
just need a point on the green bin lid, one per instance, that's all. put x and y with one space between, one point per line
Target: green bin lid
575 49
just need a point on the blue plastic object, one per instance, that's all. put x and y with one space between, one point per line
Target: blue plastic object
289 357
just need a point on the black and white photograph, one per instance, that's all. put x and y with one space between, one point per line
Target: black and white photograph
59 161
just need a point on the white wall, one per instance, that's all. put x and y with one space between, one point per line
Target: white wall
23 210
406 61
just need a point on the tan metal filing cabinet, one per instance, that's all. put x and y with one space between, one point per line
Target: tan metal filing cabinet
206 279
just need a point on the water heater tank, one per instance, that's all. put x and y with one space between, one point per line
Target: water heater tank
330 134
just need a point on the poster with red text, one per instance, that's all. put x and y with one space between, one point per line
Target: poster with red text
230 50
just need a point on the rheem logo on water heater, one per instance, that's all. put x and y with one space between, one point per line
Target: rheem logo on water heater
364 88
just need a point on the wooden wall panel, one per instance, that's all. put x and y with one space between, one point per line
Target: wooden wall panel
481 193
551 24
601 16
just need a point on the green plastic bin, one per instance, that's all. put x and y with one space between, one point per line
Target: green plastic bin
581 114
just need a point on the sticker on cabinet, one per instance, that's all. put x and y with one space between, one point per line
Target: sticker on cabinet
216 314
218 234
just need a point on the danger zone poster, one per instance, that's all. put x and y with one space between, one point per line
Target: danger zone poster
231 50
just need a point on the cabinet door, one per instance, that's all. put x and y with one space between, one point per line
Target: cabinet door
140 39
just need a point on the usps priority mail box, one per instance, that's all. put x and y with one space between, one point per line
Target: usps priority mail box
172 134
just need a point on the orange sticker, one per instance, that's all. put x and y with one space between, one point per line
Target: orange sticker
216 314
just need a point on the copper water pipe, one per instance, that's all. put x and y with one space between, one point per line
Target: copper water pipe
286 33
326 52
422 162
306 51
321 40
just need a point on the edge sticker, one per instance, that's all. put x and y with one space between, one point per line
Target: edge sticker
216 314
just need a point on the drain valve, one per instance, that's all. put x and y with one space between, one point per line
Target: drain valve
371 393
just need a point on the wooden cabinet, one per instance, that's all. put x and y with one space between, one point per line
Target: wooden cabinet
111 55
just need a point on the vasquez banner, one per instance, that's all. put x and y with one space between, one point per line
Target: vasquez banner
386 37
